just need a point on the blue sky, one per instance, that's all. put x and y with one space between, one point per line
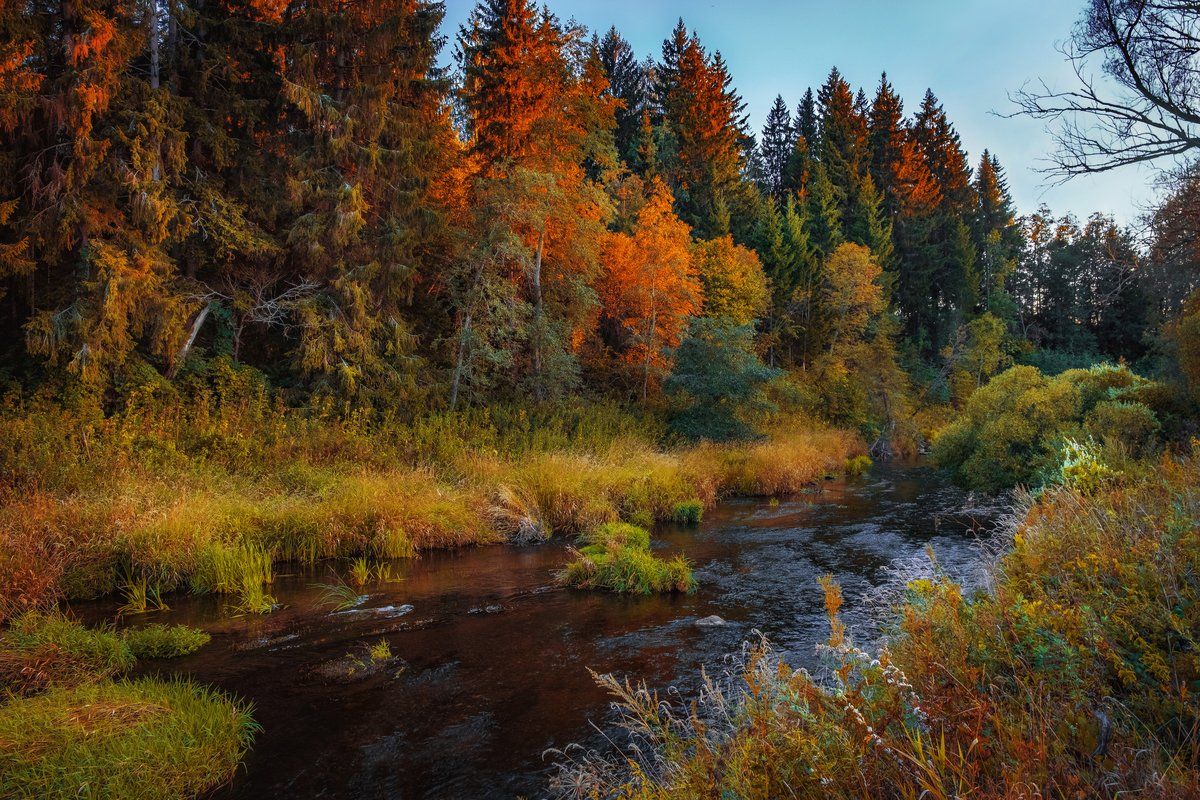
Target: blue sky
972 53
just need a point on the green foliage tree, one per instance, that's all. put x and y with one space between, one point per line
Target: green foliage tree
717 380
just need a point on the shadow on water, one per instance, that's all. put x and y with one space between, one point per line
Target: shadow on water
492 660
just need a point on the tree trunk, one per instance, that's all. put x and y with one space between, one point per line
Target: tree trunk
459 361
538 390
197 323
650 346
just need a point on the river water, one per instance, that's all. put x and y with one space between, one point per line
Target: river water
491 659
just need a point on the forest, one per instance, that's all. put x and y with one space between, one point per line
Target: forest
328 286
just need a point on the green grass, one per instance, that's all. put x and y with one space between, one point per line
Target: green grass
688 512
616 557
164 641
337 596
40 649
133 740
241 569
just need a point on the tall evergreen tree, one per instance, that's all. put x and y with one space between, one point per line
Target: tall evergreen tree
629 84
775 150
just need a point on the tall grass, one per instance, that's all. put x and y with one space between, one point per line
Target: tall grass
40 649
205 493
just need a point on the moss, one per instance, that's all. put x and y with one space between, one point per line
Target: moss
164 641
135 740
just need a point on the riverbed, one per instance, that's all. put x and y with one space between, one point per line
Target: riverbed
491 660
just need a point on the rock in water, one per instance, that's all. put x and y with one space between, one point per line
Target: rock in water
710 622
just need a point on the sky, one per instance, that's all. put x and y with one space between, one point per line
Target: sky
972 53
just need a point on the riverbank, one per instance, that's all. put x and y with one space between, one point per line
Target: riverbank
1074 674
207 496
494 658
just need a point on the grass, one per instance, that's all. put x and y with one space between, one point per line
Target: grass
616 557
242 569
136 740
164 641
1075 675
338 596
206 495
40 649
380 652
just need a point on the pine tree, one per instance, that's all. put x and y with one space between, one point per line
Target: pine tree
704 120
629 84
775 150
804 138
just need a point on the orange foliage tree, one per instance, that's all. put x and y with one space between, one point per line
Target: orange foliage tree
650 287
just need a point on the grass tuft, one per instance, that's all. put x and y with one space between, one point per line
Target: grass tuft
164 641
616 557
135 740
40 649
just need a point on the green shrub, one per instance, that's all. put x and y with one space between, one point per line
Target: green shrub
629 570
858 465
1120 423
718 380
1082 467
1011 430
164 641
134 740
616 557
689 512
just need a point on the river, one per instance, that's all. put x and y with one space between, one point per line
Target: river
492 659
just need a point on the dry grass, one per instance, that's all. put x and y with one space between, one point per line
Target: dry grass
210 499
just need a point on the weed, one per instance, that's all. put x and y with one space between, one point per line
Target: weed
688 512
360 572
338 596
380 652
40 649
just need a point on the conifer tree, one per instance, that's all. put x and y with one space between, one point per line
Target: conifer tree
775 150
628 83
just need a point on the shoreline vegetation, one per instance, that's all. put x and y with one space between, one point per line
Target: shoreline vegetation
160 499
1074 675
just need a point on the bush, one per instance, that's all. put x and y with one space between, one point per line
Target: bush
1012 429
689 512
134 740
1132 426
164 641
41 649
717 379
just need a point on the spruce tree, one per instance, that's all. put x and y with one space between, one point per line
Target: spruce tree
628 83
775 150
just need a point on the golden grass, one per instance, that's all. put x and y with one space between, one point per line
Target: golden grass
214 530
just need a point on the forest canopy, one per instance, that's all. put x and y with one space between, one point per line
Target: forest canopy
301 188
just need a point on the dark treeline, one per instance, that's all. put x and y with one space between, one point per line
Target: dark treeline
300 188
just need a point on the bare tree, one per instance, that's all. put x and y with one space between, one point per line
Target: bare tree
1147 109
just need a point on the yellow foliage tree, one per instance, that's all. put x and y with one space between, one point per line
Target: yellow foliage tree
735 286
